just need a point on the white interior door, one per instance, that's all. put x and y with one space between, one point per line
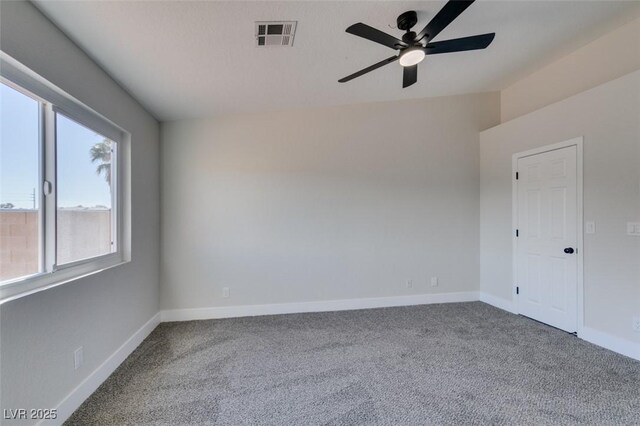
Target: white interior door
546 260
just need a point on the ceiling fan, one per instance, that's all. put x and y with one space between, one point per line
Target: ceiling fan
414 47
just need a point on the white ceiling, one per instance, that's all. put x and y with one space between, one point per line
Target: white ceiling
194 59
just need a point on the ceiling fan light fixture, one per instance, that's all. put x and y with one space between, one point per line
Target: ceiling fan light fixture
412 56
411 50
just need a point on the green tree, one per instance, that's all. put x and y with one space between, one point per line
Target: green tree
101 153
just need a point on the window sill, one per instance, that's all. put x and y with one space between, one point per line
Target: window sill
16 289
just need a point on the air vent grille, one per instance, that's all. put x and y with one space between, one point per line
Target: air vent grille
276 33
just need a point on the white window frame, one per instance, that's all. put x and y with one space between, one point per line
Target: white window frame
54 101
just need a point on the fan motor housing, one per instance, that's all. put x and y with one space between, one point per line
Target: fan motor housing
409 37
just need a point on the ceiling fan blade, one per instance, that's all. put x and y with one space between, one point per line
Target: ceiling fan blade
368 69
370 33
447 14
460 44
409 76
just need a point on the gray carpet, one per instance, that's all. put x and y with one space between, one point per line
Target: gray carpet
451 364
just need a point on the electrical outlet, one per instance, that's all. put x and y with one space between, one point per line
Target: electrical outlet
409 283
636 323
633 228
225 292
434 281
78 358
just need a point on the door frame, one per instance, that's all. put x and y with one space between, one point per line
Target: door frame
578 143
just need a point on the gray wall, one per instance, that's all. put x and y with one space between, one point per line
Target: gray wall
608 116
38 333
323 204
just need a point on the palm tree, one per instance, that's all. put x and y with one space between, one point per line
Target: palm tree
102 152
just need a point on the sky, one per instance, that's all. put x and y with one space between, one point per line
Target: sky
78 183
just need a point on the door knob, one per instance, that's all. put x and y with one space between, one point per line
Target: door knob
569 250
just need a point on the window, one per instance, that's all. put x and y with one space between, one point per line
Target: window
20 210
61 202
84 220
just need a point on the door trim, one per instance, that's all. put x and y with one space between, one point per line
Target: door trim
577 142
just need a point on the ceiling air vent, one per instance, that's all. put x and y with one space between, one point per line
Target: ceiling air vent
270 34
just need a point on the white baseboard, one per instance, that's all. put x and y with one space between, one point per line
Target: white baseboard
319 306
72 401
613 343
77 396
498 302
599 338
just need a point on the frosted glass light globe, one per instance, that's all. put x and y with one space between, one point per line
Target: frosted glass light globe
411 56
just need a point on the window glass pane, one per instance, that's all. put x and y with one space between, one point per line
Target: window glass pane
19 185
84 185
